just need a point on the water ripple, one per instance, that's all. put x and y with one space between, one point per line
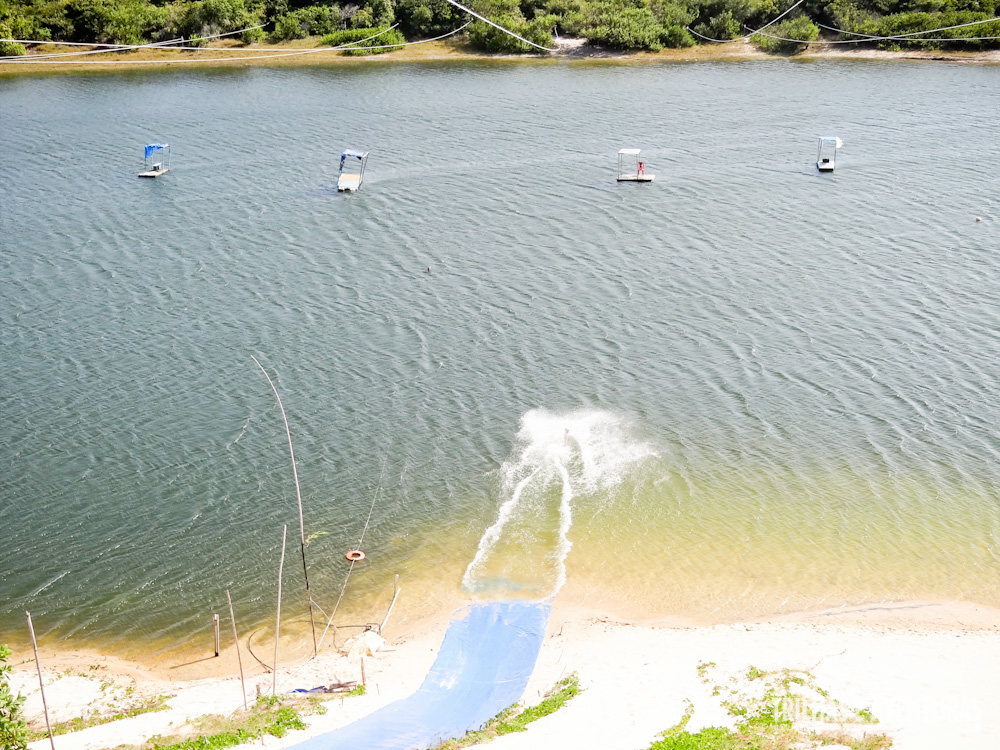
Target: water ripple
811 357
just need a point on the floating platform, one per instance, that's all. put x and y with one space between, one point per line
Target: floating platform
348 183
636 177
352 173
826 154
156 160
631 168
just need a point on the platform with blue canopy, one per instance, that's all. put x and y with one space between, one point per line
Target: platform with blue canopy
352 170
156 160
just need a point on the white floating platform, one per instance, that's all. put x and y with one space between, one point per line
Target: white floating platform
348 183
825 166
636 177
154 172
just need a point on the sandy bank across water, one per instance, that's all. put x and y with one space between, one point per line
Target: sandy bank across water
304 53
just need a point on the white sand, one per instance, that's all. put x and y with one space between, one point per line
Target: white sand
928 671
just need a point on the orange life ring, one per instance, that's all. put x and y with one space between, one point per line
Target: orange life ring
354 555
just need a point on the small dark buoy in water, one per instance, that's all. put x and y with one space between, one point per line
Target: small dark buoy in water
979 218
428 269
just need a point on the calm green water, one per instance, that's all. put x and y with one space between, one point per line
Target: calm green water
781 387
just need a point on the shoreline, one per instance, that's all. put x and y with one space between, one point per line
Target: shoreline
304 53
171 662
900 659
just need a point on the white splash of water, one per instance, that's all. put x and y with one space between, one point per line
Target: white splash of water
488 540
585 451
565 521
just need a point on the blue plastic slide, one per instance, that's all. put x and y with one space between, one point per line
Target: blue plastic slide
483 667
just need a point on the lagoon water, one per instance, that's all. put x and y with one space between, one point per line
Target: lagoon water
781 387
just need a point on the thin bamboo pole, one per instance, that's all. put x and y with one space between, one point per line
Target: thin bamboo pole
41 684
239 659
298 497
391 604
215 626
277 622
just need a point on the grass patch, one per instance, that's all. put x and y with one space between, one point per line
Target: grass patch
156 703
766 708
516 718
273 716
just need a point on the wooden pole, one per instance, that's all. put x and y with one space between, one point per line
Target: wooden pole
391 604
239 659
215 623
298 497
41 684
362 670
277 622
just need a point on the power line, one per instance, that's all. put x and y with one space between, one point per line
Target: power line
498 26
747 36
350 45
122 47
865 37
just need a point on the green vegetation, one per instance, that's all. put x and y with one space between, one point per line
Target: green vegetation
273 716
615 24
365 41
867 17
13 729
510 15
765 706
786 35
516 718
156 703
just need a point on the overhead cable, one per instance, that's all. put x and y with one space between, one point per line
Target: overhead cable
20 60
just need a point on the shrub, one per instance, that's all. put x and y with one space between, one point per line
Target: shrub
800 29
251 36
288 27
314 20
486 38
13 728
676 36
383 13
722 26
22 23
625 28
211 17
426 18
10 48
907 23
116 22
669 14
385 42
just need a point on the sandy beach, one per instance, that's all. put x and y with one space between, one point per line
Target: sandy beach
926 670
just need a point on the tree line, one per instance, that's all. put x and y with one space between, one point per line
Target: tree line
629 25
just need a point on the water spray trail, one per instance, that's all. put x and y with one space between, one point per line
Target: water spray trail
565 521
492 534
